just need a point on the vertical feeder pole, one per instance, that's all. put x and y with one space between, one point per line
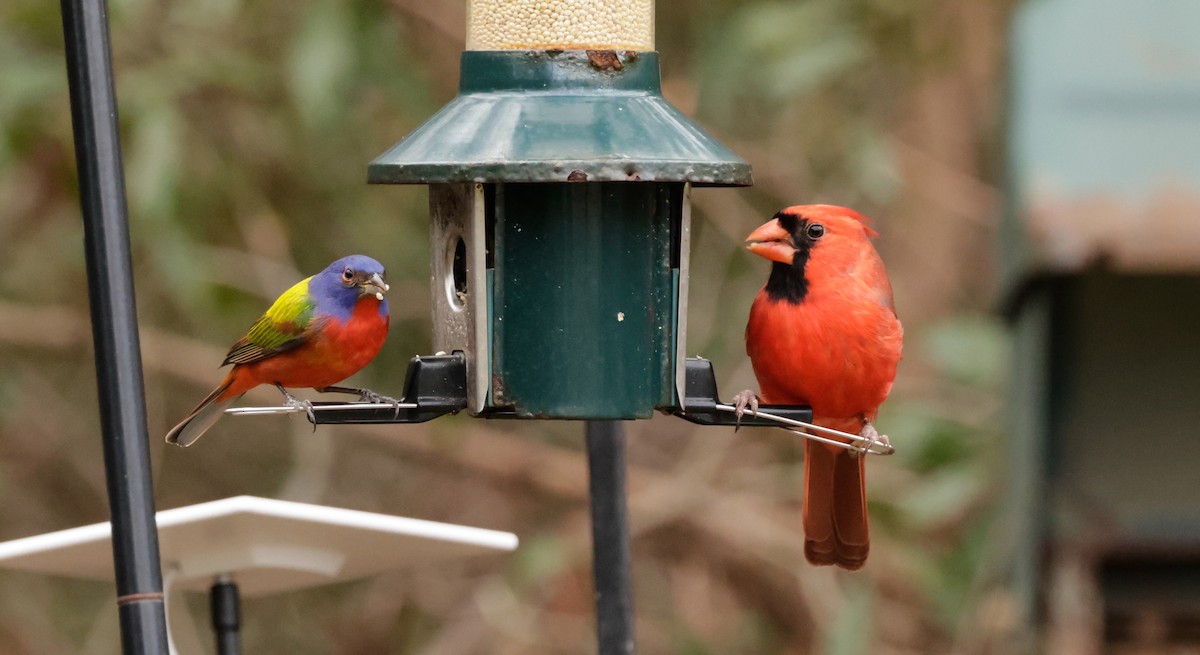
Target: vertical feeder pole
114 329
559 219
610 536
226 609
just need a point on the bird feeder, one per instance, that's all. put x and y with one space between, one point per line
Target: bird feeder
559 208
559 201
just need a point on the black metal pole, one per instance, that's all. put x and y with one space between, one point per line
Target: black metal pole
114 328
610 537
226 616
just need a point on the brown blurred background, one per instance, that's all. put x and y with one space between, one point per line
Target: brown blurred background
247 128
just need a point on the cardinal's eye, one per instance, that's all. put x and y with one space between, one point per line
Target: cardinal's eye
348 274
815 231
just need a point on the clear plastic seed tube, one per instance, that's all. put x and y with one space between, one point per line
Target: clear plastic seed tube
560 25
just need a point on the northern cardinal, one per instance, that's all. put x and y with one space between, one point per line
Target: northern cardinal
823 332
318 333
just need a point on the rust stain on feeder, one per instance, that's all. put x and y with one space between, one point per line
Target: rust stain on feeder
577 176
607 60
499 389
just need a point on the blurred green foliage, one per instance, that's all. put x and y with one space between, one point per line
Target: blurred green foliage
247 127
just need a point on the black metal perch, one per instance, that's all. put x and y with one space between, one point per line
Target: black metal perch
436 385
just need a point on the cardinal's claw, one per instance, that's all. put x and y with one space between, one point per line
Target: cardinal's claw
740 400
873 437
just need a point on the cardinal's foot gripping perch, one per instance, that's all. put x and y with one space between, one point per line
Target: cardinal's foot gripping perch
702 405
434 386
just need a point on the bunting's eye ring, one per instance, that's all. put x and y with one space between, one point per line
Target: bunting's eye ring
348 275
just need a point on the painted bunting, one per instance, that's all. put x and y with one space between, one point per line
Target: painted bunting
319 332
823 332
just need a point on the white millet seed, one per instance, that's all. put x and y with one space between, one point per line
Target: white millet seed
560 25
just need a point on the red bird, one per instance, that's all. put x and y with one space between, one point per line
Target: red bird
319 332
823 332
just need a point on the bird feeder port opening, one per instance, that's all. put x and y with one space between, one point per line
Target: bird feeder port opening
455 276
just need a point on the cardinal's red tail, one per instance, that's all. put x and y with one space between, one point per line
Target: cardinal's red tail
835 507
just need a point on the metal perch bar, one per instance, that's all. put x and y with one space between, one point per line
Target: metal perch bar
438 385
701 404
317 407
873 447
434 386
856 444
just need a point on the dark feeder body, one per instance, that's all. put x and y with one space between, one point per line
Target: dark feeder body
559 184
559 209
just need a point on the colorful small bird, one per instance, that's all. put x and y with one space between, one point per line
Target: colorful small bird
823 332
319 332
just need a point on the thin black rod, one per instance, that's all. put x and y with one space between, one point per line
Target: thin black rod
114 328
226 616
610 537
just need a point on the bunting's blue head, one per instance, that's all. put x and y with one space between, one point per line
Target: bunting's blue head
338 288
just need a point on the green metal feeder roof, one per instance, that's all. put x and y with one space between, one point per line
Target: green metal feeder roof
558 116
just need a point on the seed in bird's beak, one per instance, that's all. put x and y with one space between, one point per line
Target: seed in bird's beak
375 286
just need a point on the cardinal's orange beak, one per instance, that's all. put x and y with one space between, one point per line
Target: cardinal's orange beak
770 240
